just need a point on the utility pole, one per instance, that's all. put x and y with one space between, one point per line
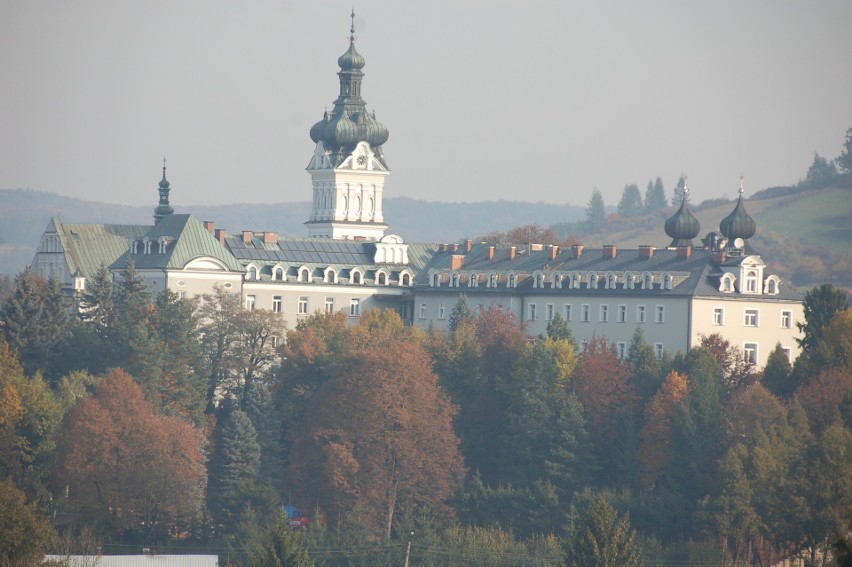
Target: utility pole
408 549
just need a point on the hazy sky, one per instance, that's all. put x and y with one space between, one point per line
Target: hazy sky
539 101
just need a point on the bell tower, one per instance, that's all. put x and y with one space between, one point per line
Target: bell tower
348 168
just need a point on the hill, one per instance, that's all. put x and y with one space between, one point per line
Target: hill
25 213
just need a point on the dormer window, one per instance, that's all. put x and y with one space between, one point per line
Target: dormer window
610 281
667 281
473 280
436 280
381 278
772 285
454 280
628 281
405 279
330 275
575 281
304 274
592 281
538 281
751 282
556 282
278 273
163 243
147 247
252 273
355 276
492 280
134 247
512 281
726 285
647 281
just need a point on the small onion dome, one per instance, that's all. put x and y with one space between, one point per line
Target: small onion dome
682 226
351 60
164 183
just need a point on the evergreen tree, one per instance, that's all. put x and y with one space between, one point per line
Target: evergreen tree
602 539
558 330
777 374
260 407
844 160
97 302
275 545
631 202
22 318
821 174
235 463
677 193
655 196
461 314
595 212
644 366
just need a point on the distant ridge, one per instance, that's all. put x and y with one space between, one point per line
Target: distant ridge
25 213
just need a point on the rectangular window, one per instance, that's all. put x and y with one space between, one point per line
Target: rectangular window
750 351
567 312
533 315
718 315
751 318
789 352
251 300
622 350
441 311
180 294
275 341
276 303
660 314
640 313
423 310
303 306
604 313
786 319
354 307
548 312
403 311
658 350
585 313
329 305
622 314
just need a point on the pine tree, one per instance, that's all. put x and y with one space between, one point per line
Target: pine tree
602 539
655 196
235 463
777 374
631 202
460 315
595 212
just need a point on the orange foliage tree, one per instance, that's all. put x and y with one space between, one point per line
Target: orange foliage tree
376 435
656 433
126 466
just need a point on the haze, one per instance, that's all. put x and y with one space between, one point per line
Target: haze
536 101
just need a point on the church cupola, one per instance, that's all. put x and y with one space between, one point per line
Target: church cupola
682 227
348 167
738 226
163 209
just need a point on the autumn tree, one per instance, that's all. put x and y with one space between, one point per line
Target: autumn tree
644 365
737 371
25 532
777 374
824 397
127 467
602 383
821 303
375 453
656 433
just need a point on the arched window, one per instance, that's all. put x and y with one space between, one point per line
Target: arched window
610 281
252 272
772 285
511 281
492 280
575 281
134 247
330 275
436 280
381 278
355 276
667 281
647 281
405 279
278 273
592 281
727 283
473 280
751 282
556 282
304 274
628 281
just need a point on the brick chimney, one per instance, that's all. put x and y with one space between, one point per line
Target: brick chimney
270 238
444 247
536 247
220 235
684 251
609 250
576 251
552 252
490 252
468 245
512 251
208 226
718 257
456 262
247 236
646 251
455 247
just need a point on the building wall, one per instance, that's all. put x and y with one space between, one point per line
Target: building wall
768 331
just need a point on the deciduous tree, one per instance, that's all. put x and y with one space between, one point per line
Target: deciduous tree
129 468
656 433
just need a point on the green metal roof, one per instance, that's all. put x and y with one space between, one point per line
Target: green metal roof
89 246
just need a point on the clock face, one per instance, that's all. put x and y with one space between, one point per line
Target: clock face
362 160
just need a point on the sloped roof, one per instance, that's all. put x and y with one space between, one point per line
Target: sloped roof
88 246
187 240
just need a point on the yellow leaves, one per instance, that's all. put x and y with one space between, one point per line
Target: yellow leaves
656 434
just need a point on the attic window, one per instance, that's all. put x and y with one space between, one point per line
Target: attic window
147 247
134 247
278 273
473 280
355 277
436 280
512 280
382 278
405 279
304 275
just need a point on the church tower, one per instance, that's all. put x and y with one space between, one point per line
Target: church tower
348 169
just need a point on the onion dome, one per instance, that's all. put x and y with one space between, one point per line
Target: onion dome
349 123
682 227
163 209
739 223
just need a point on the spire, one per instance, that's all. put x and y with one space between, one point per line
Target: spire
349 122
163 209
682 227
